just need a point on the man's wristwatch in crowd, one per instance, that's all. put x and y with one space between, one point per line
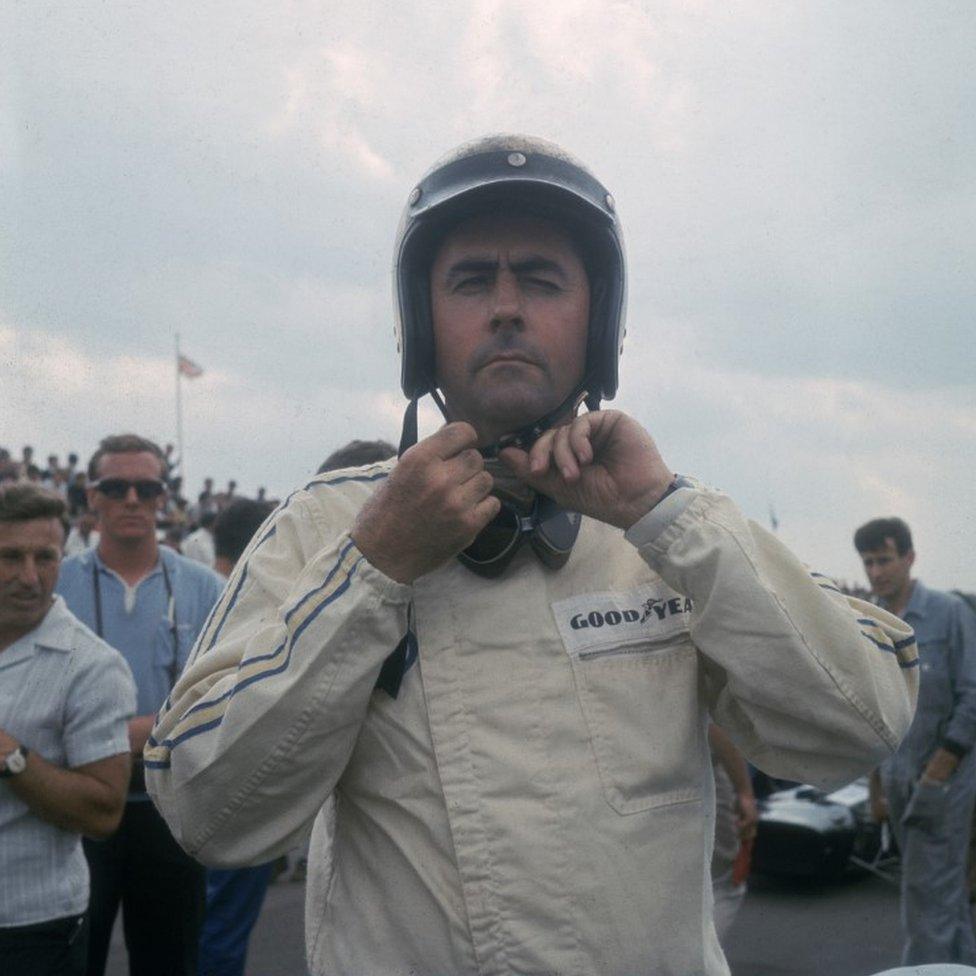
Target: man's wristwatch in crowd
14 762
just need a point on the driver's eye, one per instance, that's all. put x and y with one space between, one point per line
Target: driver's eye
469 284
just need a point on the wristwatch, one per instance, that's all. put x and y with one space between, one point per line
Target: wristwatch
14 762
678 481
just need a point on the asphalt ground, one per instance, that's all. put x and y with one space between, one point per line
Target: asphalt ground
786 928
791 928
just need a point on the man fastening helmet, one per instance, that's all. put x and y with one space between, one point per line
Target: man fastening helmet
500 652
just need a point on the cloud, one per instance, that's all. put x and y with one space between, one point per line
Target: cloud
826 453
796 191
60 397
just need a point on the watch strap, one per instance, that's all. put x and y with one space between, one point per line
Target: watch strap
678 481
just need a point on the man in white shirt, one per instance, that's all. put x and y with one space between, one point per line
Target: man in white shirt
65 697
199 544
83 535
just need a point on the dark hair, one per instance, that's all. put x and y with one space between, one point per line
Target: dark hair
23 501
125 444
236 525
207 518
874 535
357 453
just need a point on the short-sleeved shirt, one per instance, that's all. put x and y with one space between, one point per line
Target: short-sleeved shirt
66 696
153 624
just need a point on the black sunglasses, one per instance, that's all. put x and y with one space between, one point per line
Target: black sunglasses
118 488
551 532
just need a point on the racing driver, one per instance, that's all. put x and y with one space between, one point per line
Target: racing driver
499 653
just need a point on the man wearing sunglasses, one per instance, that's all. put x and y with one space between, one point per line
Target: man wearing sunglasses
149 603
508 700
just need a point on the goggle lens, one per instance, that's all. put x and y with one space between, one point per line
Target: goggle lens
496 538
552 531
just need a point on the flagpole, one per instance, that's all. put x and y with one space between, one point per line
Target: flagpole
179 420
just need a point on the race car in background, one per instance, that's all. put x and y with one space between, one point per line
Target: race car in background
807 833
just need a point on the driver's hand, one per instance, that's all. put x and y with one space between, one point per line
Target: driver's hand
436 500
602 464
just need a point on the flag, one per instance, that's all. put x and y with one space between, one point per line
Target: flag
188 368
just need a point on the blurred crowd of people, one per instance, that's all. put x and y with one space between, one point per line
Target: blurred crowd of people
183 523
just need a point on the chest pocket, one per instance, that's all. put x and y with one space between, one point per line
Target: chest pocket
638 691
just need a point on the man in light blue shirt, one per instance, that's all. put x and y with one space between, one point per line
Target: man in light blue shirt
149 603
927 788
65 697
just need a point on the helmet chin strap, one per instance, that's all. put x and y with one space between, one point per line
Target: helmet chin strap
523 437
408 435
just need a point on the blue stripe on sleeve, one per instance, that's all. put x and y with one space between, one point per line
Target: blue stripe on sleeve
230 606
888 648
271 532
318 589
206 703
240 686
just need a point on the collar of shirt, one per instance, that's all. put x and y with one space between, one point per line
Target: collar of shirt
917 602
53 632
130 591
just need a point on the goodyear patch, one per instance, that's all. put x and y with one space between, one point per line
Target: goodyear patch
591 623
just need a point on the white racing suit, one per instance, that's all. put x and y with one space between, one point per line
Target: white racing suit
537 798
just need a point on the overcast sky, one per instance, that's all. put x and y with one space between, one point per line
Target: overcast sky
797 183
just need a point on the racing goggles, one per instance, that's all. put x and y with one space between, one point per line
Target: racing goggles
550 530
118 488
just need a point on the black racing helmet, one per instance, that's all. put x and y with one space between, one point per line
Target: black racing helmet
521 175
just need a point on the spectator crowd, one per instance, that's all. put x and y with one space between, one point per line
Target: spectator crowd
182 523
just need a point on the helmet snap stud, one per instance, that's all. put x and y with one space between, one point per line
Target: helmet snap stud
610 203
414 195
516 159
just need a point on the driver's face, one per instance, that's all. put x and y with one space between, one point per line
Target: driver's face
510 301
